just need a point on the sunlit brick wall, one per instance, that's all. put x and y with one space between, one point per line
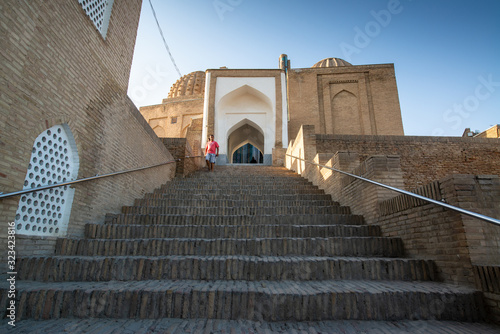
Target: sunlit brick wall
58 69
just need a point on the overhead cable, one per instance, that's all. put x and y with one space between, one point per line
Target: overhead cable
164 42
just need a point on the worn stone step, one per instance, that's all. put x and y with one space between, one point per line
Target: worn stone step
224 177
239 191
351 246
236 187
189 326
247 169
238 184
252 300
251 268
229 171
214 211
231 203
184 219
221 195
117 231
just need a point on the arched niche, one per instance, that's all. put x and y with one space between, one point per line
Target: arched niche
242 133
244 100
54 159
346 116
160 132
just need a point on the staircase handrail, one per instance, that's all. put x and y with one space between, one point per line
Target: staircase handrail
448 206
90 178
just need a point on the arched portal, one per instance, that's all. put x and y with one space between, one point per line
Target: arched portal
244 112
242 134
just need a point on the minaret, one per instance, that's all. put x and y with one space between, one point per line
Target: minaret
284 62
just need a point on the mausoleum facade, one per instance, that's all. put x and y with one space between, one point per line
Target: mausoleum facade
262 109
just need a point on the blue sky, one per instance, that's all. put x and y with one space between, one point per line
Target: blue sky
446 53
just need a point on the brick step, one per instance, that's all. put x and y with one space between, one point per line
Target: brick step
229 178
222 195
214 211
116 231
183 219
239 191
225 172
235 187
240 182
231 203
252 300
251 268
189 326
353 246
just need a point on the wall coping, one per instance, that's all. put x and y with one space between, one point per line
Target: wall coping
393 138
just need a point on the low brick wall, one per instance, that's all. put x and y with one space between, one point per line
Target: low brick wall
457 243
488 280
423 159
180 149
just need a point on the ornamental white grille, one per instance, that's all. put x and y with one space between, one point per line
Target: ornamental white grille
54 159
99 12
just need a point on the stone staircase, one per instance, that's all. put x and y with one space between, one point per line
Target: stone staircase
248 243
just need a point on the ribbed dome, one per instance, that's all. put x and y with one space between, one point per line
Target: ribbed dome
331 62
190 84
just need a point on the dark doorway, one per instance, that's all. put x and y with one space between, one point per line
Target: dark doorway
248 154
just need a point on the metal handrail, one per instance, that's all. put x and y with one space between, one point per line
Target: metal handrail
55 185
448 206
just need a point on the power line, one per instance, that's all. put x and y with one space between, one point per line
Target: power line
164 42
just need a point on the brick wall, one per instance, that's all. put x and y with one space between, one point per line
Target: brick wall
423 159
313 92
184 109
180 148
58 69
455 242
488 280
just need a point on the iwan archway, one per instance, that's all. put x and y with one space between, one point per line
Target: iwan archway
246 111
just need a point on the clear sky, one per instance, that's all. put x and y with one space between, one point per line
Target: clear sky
446 53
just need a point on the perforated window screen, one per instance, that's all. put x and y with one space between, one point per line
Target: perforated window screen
54 159
99 12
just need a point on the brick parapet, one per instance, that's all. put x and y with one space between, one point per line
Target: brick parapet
454 241
488 280
423 159
404 202
477 193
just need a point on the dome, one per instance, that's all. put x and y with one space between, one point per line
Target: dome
331 62
190 84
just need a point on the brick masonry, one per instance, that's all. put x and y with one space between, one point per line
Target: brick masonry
360 99
268 265
423 159
57 68
455 242
180 148
488 280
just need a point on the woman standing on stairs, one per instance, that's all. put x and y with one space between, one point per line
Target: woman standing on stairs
211 152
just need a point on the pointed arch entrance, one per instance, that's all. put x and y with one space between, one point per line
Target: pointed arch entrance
245 143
